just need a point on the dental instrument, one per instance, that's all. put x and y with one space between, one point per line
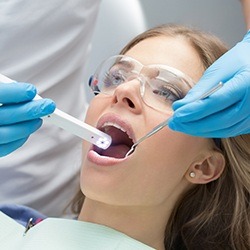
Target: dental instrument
165 123
71 124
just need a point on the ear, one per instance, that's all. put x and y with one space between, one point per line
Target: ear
208 169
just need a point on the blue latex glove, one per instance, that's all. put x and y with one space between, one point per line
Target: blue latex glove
19 114
225 113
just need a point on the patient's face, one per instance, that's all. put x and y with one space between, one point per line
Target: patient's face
155 173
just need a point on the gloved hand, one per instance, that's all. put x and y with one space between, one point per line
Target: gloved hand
225 113
19 114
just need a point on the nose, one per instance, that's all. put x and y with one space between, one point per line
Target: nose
128 95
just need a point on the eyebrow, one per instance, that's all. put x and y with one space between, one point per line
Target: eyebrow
180 81
125 63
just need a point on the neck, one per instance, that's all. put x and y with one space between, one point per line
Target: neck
145 224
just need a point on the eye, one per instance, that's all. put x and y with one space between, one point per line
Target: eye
113 78
168 93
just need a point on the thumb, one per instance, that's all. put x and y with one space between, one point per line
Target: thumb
222 70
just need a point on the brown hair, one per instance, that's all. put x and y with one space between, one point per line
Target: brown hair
215 215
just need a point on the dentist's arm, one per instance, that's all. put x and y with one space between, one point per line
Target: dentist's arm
225 113
19 114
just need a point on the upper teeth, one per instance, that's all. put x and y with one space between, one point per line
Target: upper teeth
106 124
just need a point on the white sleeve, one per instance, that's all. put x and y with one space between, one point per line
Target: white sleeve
46 43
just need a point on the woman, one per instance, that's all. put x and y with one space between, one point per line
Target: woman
201 202
175 191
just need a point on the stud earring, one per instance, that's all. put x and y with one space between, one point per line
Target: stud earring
192 174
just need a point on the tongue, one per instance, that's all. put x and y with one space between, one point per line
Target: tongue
116 151
121 143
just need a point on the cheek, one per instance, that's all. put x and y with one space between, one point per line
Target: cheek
92 112
173 151
169 155
95 110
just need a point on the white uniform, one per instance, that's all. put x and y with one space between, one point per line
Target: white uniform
44 43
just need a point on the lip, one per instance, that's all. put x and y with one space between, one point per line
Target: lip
97 159
110 118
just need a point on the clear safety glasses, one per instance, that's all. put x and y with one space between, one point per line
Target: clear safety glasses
160 85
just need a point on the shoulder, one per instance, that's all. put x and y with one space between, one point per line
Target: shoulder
21 214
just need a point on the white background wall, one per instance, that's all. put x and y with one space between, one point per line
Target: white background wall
221 17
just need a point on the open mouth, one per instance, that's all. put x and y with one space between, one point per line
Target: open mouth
121 141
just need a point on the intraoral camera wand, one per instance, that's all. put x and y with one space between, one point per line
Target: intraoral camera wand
72 125
165 123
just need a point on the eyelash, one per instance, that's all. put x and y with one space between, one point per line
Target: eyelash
111 77
170 90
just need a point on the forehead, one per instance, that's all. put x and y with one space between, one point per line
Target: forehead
172 51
